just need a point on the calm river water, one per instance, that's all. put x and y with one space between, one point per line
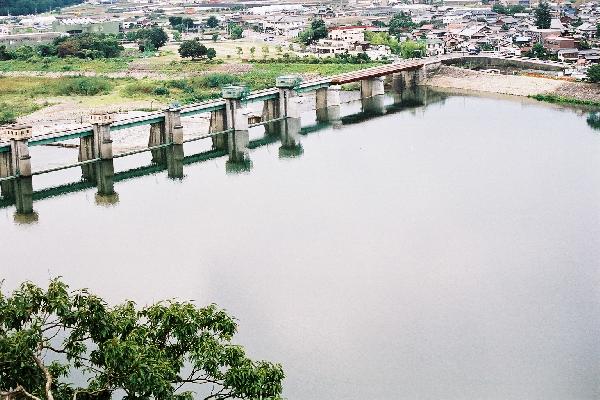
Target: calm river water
444 251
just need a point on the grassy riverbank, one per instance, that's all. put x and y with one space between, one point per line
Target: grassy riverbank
557 99
23 95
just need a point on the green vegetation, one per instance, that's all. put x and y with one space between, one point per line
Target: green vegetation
543 16
593 120
317 30
412 49
47 336
235 31
86 46
212 22
401 22
383 38
539 51
149 39
510 9
552 98
593 73
181 24
23 95
55 64
195 50
26 7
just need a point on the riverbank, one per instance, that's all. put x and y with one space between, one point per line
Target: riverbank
542 88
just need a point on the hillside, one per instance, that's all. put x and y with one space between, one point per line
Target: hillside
25 7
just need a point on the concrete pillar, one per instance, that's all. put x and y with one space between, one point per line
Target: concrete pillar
236 121
321 98
102 142
105 172
86 152
24 195
371 87
173 127
18 163
157 137
331 113
217 124
398 83
290 139
6 187
174 155
374 105
289 103
104 168
270 112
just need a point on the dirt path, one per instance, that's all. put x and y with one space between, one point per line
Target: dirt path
517 85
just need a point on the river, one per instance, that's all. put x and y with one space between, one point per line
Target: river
449 249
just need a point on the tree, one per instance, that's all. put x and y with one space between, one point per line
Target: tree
265 51
317 30
412 49
239 51
46 336
235 31
400 22
211 53
192 49
593 120
151 38
538 51
543 17
212 22
215 37
593 73
177 36
252 51
25 7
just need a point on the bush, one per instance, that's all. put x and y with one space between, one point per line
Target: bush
161 91
217 80
84 86
593 73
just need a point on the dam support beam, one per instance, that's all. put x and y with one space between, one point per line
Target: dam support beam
17 163
289 102
175 155
157 137
173 127
371 87
290 139
236 119
218 124
103 150
331 113
86 153
270 112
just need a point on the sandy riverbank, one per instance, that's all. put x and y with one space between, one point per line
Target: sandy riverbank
517 85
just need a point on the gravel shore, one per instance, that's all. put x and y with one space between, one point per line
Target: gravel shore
517 85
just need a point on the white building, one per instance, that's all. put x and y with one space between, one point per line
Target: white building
348 34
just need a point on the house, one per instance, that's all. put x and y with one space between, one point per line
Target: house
349 34
86 25
587 30
434 47
556 43
568 55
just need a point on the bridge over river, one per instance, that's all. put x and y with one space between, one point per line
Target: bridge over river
229 123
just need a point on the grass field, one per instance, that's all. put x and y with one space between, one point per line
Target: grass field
23 95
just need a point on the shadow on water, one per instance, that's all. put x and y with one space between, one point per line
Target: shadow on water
101 175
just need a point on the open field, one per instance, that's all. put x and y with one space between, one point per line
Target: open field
71 97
